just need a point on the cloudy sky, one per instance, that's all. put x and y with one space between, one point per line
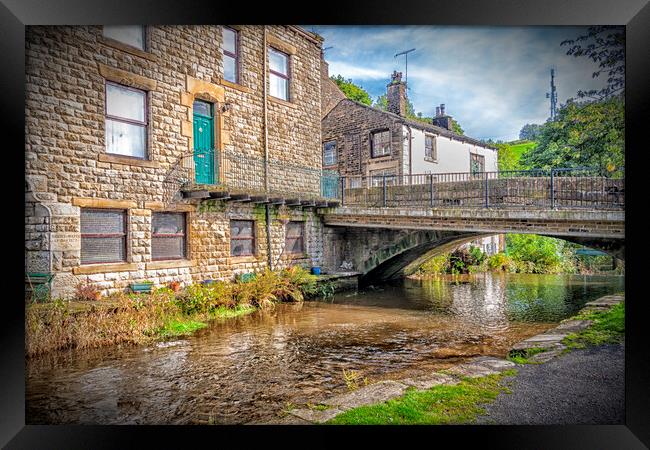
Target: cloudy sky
493 80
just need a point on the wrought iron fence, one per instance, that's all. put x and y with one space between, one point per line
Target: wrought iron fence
556 188
240 171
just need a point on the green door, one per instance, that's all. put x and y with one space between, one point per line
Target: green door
205 166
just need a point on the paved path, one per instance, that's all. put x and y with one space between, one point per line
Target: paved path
581 387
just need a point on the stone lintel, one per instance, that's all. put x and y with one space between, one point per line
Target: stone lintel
94 202
104 268
127 78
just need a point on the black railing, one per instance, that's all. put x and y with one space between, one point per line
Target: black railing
239 171
556 188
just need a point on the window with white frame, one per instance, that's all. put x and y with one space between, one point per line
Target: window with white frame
126 121
377 177
279 74
133 35
329 153
380 143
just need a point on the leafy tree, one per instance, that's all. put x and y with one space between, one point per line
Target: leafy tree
507 158
605 45
530 131
586 134
536 254
351 90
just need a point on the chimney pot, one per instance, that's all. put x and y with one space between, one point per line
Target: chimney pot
396 94
442 109
437 111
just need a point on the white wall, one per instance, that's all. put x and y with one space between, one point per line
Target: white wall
453 155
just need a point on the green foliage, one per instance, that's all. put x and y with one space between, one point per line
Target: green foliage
607 327
536 254
351 90
530 131
456 128
436 265
522 356
509 154
500 262
588 134
180 327
442 404
604 45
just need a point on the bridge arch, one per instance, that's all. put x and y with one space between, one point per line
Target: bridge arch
385 254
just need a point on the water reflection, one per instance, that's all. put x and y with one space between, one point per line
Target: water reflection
247 369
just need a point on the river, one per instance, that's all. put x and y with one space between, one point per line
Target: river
249 369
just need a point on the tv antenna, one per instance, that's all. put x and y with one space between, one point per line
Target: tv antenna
406 56
553 96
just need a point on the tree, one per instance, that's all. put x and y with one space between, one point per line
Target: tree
351 90
456 128
605 45
585 134
507 158
530 131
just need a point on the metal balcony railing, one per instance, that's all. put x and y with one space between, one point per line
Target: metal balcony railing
555 188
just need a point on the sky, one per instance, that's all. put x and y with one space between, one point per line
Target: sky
492 80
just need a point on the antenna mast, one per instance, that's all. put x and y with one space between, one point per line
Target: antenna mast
406 56
553 96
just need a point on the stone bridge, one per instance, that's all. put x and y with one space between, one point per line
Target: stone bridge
388 243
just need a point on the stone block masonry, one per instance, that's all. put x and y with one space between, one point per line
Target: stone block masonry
68 168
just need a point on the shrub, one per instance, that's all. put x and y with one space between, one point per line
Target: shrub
87 292
500 262
436 265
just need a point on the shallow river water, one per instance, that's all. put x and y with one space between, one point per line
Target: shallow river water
249 369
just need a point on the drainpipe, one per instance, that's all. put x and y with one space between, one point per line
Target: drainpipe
267 212
410 153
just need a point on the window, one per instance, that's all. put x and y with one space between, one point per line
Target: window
242 237
355 182
294 238
329 153
133 35
377 177
126 121
380 143
168 236
476 163
279 74
430 148
230 55
103 236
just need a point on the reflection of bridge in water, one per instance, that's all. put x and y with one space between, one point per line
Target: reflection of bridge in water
387 224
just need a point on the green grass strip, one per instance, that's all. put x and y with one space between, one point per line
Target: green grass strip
442 404
607 327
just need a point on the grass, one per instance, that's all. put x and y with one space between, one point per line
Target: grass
180 327
607 327
522 356
443 404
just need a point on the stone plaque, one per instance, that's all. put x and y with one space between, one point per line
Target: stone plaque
65 241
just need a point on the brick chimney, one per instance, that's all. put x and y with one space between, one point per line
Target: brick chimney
442 120
396 94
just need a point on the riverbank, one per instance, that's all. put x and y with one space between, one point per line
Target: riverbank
459 395
133 319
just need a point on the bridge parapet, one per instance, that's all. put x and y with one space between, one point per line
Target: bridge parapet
563 222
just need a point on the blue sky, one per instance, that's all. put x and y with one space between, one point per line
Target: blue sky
493 80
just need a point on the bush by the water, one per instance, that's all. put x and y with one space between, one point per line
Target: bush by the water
139 318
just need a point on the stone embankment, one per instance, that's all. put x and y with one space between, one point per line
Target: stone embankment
550 341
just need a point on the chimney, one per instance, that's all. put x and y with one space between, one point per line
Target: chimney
442 120
396 94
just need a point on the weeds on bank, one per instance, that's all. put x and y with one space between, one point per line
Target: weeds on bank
353 378
523 356
607 327
141 318
442 404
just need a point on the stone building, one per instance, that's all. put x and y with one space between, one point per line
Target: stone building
157 153
364 143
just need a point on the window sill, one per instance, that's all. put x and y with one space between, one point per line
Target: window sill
102 268
429 159
243 259
236 86
279 101
380 158
128 161
331 167
169 264
296 256
127 48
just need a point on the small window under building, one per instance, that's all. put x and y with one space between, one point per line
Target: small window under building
242 237
103 236
168 236
295 237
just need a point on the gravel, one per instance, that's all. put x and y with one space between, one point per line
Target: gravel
581 387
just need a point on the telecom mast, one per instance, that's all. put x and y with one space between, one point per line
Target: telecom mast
553 96
406 55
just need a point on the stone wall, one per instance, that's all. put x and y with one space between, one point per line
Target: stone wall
330 92
350 124
67 166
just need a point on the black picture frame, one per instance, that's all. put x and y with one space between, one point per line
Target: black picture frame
634 14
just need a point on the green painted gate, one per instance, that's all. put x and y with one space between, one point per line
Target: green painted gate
205 164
